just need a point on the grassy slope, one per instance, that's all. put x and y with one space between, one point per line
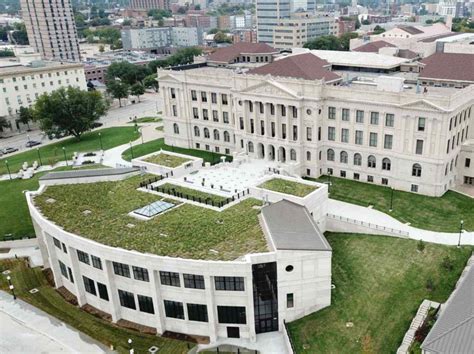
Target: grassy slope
380 283
48 300
430 213
158 144
288 187
52 153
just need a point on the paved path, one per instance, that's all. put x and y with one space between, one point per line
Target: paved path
267 343
376 217
26 329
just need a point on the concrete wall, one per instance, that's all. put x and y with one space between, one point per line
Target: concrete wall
91 179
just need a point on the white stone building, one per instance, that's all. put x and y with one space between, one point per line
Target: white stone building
21 85
293 111
239 298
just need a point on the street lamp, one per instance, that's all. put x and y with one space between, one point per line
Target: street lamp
39 156
12 288
65 158
130 345
141 133
8 168
28 137
391 199
9 279
131 148
100 138
460 232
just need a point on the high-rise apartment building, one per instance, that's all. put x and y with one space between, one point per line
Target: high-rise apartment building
271 12
51 28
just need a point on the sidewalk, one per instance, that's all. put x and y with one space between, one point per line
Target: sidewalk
376 217
26 329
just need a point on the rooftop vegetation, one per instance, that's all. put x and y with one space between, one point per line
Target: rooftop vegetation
380 283
167 160
288 187
186 231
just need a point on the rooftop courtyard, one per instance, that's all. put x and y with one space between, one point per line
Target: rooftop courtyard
167 160
99 211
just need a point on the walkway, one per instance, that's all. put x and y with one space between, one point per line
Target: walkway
267 343
26 329
368 215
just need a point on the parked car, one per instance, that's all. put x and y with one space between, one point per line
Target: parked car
32 143
96 125
9 150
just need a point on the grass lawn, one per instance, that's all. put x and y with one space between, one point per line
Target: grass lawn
430 213
288 187
52 153
160 129
380 283
158 144
14 215
146 120
187 231
48 300
194 193
167 160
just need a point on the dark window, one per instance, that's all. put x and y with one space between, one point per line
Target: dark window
104 295
231 314
121 269
64 248
96 262
145 303
89 285
83 257
169 278
230 283
233 332
127 299
174 309
290 300
63 268
197 312
265 297
57 243
71 278
467 163
289 268
140 273
193 281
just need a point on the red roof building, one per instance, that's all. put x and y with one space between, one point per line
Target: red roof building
448 69
242 52
303 66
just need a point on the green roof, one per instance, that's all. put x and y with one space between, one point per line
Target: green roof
186 231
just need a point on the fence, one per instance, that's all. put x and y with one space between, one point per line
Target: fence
370 225
145 184
207 201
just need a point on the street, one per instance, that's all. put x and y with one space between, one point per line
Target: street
149 106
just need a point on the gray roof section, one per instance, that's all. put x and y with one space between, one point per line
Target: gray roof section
453 331
292 227
80 173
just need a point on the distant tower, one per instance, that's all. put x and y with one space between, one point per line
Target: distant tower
354 3
51 28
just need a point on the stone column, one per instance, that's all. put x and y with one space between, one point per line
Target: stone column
53 260
78 281
160 312
211 307
113 293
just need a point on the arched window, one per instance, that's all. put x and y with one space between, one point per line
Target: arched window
308 155
216 134
386 164
357 159
206 133
416 170
292 155
176 128
330 156
196 131
226 136
371 161
343 157
250 146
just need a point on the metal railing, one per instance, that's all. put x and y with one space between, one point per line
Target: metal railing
369 225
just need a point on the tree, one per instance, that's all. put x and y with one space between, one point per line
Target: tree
19 34
137 90
4 123
151 82
70 111
378 29
101 48
118 89
221 37
365 22
329 42
25 116
345 40
127 72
